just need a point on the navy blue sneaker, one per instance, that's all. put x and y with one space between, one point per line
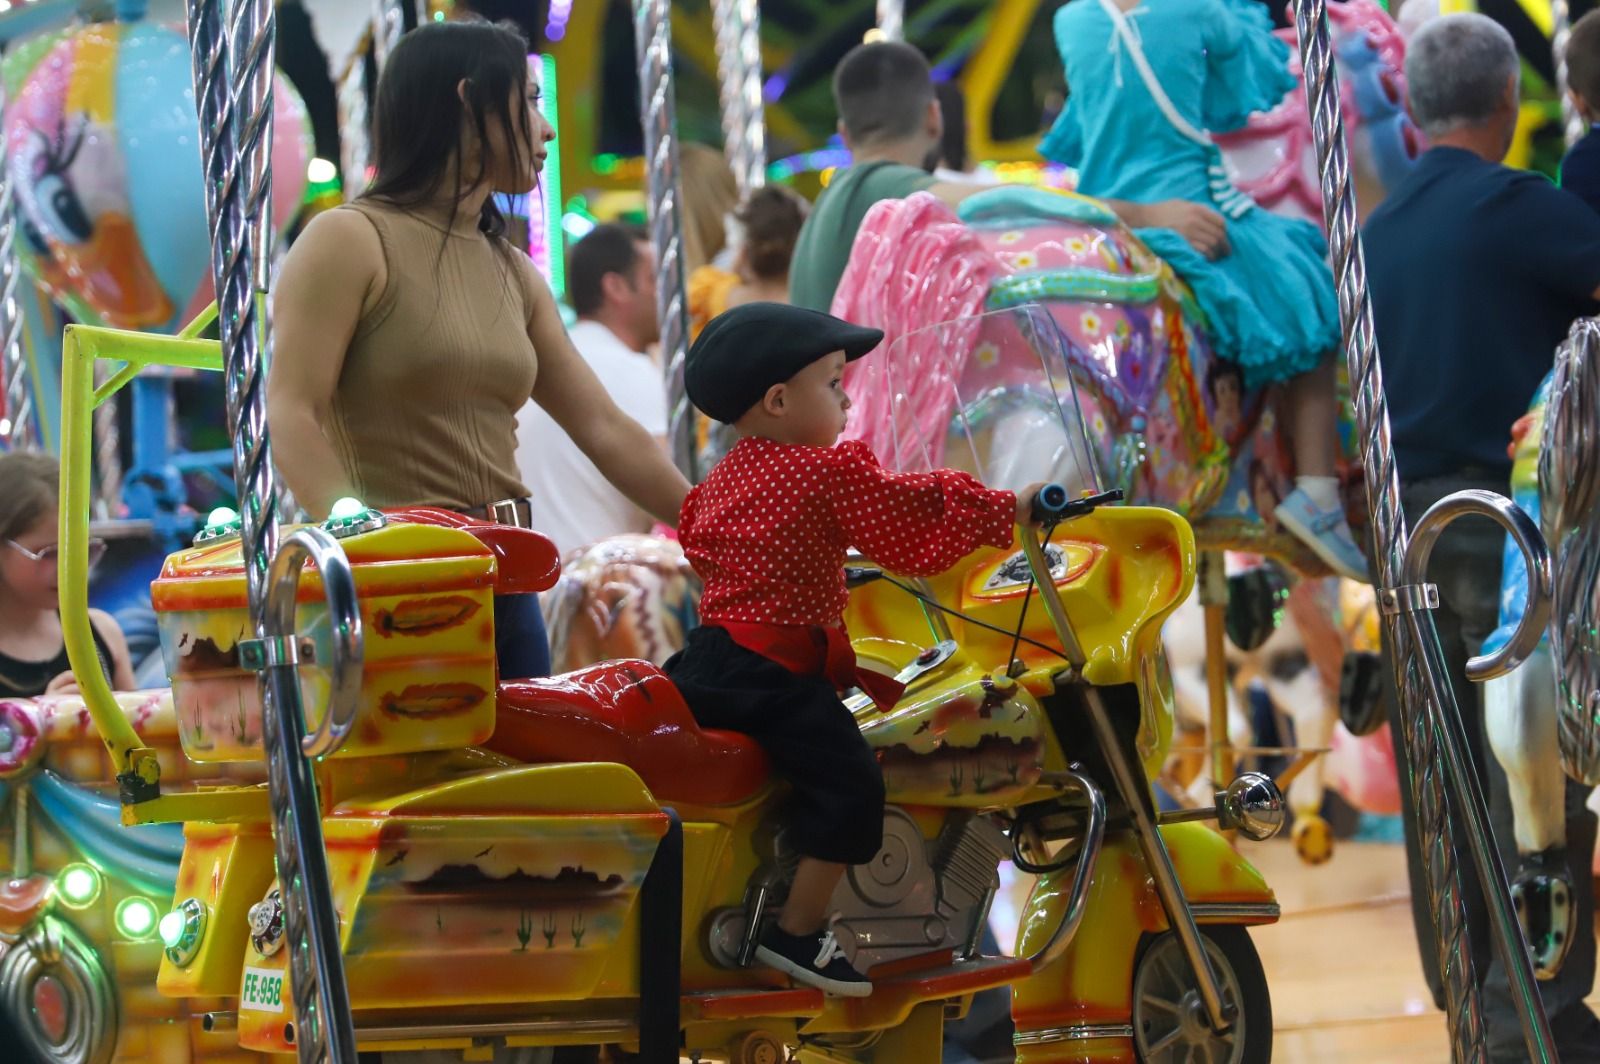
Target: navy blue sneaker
815 960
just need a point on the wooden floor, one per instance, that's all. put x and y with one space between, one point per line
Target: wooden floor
1342 964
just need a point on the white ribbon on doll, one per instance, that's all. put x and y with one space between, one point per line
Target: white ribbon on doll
1229 200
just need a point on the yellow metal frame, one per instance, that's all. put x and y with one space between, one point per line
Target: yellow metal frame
990 65
83 347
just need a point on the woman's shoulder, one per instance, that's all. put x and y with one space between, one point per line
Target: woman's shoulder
338 245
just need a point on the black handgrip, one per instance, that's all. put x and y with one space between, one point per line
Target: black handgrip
1053 503
857 575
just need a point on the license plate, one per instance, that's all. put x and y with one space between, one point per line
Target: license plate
263 990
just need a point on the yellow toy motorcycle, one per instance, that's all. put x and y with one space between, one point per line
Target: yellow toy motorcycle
575 861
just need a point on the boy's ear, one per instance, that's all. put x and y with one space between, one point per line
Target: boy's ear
772 402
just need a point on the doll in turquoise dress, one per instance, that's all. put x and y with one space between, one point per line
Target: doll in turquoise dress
1146 81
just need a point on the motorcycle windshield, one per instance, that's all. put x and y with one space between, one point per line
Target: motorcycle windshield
989 394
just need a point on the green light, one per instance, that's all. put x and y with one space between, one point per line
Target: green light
221 517
136 917
438 16
79 885
171 928
347 509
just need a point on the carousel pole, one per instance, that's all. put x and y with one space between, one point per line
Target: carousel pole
652 32
354 151
1430 722
744 129
892 19
17 414
388 23
1560 32
233 90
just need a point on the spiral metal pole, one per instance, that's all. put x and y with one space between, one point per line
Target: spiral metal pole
233 90
892 19
17 414
744 127
1560 32
387 25
1462 1003
652 32
1569 489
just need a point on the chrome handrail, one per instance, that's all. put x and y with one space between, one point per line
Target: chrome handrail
1093 838
344 617
1525 534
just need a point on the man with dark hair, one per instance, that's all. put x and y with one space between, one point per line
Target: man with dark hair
1580 170
890 120
611 283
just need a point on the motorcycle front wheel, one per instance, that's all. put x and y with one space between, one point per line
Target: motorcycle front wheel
1169 1019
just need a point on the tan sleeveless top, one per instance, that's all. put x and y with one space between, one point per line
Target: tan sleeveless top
425 412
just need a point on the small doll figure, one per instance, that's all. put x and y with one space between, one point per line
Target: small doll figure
768 533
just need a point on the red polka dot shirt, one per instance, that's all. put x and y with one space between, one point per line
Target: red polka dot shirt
769 530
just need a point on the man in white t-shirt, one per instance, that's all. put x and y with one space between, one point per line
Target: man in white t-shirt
611 283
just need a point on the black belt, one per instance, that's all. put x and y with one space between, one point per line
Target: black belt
515 512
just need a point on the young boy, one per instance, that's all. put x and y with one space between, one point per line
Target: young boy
1580 170
768 532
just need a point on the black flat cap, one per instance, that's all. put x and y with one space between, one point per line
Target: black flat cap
745 351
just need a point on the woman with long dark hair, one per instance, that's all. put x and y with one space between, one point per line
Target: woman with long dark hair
410 331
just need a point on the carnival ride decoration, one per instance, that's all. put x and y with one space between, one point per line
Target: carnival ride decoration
1271 158
100 142
545 829
1170 424
1540 721
631 596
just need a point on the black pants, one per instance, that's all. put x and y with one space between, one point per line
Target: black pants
1466 567
835 812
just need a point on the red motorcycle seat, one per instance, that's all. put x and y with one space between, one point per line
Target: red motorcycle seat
627 712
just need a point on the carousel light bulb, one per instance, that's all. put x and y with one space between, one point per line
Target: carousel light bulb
346 509
221 517
79 884
321 171
171 929
136 917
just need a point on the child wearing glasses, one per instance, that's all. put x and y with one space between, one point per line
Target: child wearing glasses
33 655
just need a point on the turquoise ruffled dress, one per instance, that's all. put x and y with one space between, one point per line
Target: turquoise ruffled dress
1271 304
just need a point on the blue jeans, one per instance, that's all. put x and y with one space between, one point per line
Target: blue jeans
520 645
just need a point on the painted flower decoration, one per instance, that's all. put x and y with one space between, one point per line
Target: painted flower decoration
1098 425
1242 503
986 354
1077 246
1025 260
1010 236
1090 323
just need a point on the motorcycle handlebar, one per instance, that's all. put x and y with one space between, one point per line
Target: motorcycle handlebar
1053 503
